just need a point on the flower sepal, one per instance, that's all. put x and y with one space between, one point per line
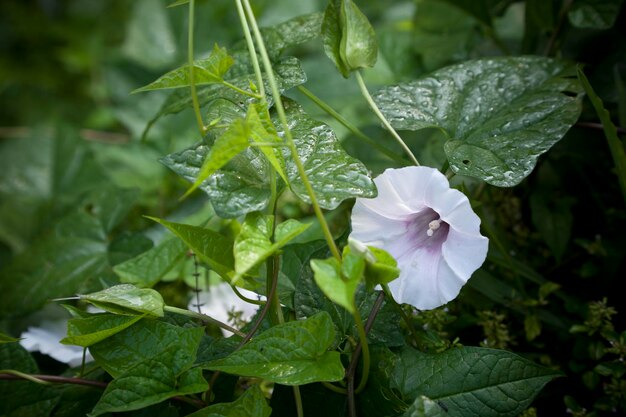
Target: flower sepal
380 267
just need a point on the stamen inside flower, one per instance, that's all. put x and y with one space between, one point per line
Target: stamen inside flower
432 226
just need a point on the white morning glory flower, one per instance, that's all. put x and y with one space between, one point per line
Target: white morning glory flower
428 227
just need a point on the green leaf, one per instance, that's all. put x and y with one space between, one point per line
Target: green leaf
339 280
211 247
149 39
443 34
7 339
150 267
310 300
470 381
288 74
210 70
358 47
615 145
150 382
425 407
256 127
594 14
380 267
86 331
500 114
253 244
23 398
293 353
44 175
334 175
242 186
293 32
225 148
251 403
262 130
127 299
172 345
69 259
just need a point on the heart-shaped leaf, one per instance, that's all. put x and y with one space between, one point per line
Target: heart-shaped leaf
500 114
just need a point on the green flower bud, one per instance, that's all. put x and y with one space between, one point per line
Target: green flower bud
349 39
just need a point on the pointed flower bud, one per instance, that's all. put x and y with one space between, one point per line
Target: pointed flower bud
349 39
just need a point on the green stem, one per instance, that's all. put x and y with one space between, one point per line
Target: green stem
190 64
290 142
204 318
246 299
241 91
298 398
334 388
365 350
251 49
352 128
22 375
382 118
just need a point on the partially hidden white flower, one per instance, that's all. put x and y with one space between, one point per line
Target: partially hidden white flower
45 339
428 227
220 303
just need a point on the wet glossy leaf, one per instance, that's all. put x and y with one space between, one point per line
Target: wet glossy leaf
210 70
594 14
470 381
150 267
251 403
86 331
211 247
242 186
242 133
172 345
334 175
500 114
127 299
293 353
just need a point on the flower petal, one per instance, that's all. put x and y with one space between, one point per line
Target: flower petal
417 284
465 253
373 228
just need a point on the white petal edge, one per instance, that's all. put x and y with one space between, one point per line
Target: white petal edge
465 253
